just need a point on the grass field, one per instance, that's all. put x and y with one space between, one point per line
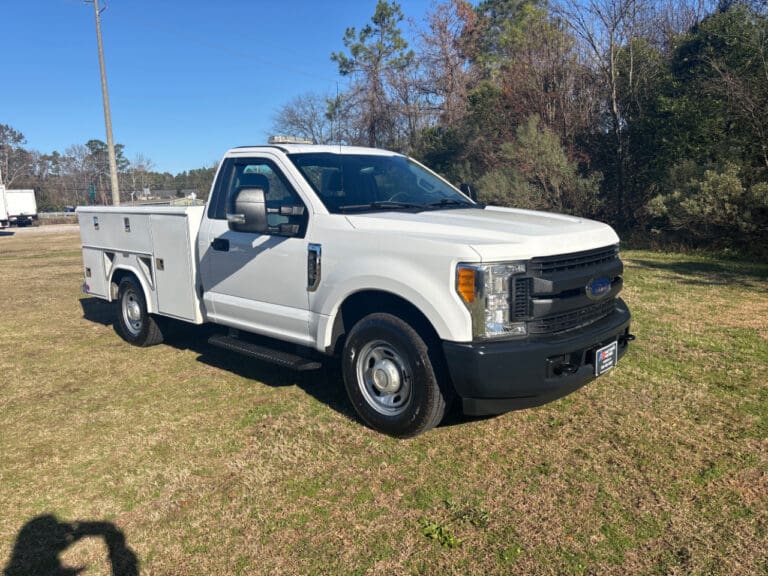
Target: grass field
209 464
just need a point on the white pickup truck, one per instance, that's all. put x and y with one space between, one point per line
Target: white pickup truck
305 252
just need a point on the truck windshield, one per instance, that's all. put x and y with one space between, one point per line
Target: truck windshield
364 183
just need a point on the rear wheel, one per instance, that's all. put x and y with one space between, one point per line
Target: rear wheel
134 323
390 377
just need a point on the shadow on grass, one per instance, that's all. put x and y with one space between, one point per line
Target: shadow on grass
41 540
708 273
97 310
324 385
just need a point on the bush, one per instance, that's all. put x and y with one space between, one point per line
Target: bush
714 207
539 175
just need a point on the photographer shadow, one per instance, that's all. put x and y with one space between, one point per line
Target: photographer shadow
41 540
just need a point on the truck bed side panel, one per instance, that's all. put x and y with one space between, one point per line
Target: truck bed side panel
157 244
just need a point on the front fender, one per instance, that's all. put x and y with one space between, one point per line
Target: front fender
428 290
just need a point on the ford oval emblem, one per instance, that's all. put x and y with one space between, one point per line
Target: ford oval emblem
598 287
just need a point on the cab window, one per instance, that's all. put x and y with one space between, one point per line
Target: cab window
284 206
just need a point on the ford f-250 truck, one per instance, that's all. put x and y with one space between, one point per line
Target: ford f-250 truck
424 295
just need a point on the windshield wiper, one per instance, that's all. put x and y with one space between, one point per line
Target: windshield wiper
448 202
380 205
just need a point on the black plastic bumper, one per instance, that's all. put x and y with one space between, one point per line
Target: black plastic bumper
496 377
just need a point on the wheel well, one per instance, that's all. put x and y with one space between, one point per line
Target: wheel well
117 277
360 304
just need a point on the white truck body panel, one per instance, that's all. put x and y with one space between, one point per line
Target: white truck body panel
356 258
17 206
157 244
3 209
496 233
20 203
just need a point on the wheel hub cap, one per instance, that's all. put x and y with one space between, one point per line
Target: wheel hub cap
133 312
386 376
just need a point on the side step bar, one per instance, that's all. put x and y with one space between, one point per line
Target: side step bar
263 353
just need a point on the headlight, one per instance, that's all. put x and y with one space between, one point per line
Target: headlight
486 290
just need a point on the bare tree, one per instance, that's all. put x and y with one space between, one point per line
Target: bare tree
347 118
15 160
607 27
75 174
412 110
543 74
306 116
139 175
669 19
448 74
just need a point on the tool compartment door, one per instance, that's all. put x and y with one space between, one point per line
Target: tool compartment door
172 263
96 266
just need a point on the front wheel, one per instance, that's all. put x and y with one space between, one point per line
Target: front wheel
390 377
134 323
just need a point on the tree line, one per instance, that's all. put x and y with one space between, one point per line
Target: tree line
650 114
80 174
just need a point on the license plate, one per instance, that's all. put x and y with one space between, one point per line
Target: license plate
605 358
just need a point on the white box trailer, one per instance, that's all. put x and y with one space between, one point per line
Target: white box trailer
17 207
158 242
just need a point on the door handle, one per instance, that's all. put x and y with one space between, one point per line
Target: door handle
220 244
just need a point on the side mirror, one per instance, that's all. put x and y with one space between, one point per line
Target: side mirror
468 190
250 212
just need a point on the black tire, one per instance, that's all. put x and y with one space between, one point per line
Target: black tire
134 323
390 377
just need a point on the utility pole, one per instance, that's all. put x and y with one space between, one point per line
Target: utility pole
107 115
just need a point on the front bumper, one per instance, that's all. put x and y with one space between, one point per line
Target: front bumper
496 377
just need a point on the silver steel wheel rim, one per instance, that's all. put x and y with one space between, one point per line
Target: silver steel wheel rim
384 377
132 312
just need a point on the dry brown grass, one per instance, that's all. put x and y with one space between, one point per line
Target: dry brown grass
209 464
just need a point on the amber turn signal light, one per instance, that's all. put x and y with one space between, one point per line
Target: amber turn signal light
465 284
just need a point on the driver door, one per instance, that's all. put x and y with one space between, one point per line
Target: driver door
257 282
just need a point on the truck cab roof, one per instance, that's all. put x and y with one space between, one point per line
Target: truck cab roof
309 148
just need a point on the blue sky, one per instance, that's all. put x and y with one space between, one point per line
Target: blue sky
187 79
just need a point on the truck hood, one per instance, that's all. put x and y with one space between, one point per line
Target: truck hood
495 233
